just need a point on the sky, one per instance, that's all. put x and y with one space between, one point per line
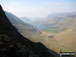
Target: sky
38 8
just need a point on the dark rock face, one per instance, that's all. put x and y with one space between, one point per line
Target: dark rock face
13 44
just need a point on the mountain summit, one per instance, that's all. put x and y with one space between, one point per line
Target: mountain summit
3 19
13 44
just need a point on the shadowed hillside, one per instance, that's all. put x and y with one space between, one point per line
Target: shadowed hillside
13 44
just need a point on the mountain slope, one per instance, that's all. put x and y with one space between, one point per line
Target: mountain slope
25 19
24 28
13 44
60 21
63 21
67 39
66 22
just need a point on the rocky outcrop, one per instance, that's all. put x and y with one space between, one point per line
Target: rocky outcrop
13 44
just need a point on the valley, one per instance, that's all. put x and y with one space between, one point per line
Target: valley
37 28
50 31
59 28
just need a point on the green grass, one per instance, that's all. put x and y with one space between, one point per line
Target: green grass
52 30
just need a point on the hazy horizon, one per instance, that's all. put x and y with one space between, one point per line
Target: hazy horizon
37 8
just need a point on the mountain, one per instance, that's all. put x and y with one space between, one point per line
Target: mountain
60 14
13 44
24 28
66 22
67 39
25 19
60 21
33 20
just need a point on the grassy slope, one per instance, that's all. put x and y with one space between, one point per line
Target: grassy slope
67 39
48 42
52 30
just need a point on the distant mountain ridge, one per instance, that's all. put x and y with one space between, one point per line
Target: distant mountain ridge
25 19
60 21
61 14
